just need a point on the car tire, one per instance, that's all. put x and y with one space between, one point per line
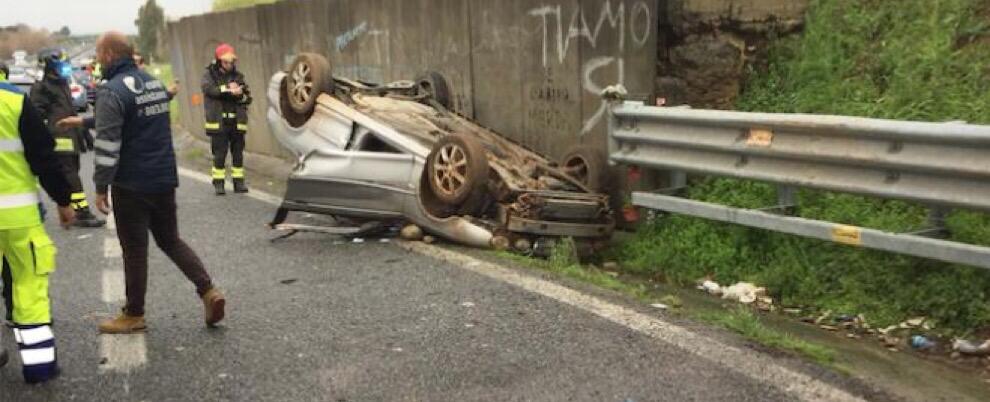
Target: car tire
587 165
309 76
457 172
434 84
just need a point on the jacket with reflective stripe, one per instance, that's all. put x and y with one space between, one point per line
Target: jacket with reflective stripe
219 103
18 185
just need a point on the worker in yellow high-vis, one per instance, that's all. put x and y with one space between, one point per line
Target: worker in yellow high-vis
27 158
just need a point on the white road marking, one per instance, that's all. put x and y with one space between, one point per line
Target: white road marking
756 366
123 353
111 248
256 194
113 286
118 353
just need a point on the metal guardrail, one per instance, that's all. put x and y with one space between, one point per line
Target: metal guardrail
940 165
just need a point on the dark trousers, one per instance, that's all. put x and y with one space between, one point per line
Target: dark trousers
70 166
228 139
135 214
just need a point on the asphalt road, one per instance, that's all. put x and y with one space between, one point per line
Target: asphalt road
316 319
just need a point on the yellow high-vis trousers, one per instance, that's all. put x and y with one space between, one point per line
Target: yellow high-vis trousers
31 255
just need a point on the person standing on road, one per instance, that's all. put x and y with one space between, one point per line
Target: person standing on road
134 155
52 98
226 100
27 158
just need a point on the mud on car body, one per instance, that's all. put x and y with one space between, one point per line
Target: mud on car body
370 154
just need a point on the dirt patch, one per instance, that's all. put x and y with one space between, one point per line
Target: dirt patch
708 45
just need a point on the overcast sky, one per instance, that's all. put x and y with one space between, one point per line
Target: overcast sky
90 16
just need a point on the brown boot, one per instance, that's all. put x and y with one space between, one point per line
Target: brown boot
123 324
213 305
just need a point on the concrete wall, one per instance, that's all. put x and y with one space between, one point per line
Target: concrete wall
530 69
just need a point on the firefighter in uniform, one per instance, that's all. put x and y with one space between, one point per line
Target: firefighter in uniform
226 101
27 158
51 97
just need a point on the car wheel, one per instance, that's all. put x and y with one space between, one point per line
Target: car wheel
434 84
457 172
587 165
309 75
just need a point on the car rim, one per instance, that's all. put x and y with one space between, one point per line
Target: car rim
577 168
450 169
302 84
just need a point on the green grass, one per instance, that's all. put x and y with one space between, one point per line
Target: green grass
746 323
902 59
164 73
563 261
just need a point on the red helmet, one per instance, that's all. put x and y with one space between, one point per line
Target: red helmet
225 52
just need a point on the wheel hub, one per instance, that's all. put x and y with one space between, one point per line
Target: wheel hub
302 84
450 169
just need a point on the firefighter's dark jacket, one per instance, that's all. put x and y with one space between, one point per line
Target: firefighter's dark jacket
52 99
219 103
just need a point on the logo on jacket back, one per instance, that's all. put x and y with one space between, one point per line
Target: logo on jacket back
132 84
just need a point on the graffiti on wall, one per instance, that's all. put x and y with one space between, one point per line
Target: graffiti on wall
562 30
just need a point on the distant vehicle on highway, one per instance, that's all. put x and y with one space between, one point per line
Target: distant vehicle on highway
84 78
22 78
79 93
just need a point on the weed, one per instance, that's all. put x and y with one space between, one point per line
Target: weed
899 59
744 322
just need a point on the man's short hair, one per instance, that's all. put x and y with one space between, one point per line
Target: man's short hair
117 45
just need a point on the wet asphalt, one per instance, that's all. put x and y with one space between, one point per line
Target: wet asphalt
314 318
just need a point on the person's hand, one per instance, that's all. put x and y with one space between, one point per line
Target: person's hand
173 88
103 203
235 89
66 216
69 122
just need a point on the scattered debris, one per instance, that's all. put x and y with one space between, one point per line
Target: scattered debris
828 328
104 361
357 240
411 232
711 287
792 311
223 375
288 281
823 317
672 301
610 266
396 350
890 341
921 342
612 274
467 304
971 349
429 239
179 348
660 306
743 292
85 236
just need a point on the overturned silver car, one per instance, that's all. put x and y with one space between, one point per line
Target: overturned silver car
373 155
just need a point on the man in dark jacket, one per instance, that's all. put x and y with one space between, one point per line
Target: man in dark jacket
51 97
226 100
134 155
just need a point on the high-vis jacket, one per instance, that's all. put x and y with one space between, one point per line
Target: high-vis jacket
26 157
222 105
